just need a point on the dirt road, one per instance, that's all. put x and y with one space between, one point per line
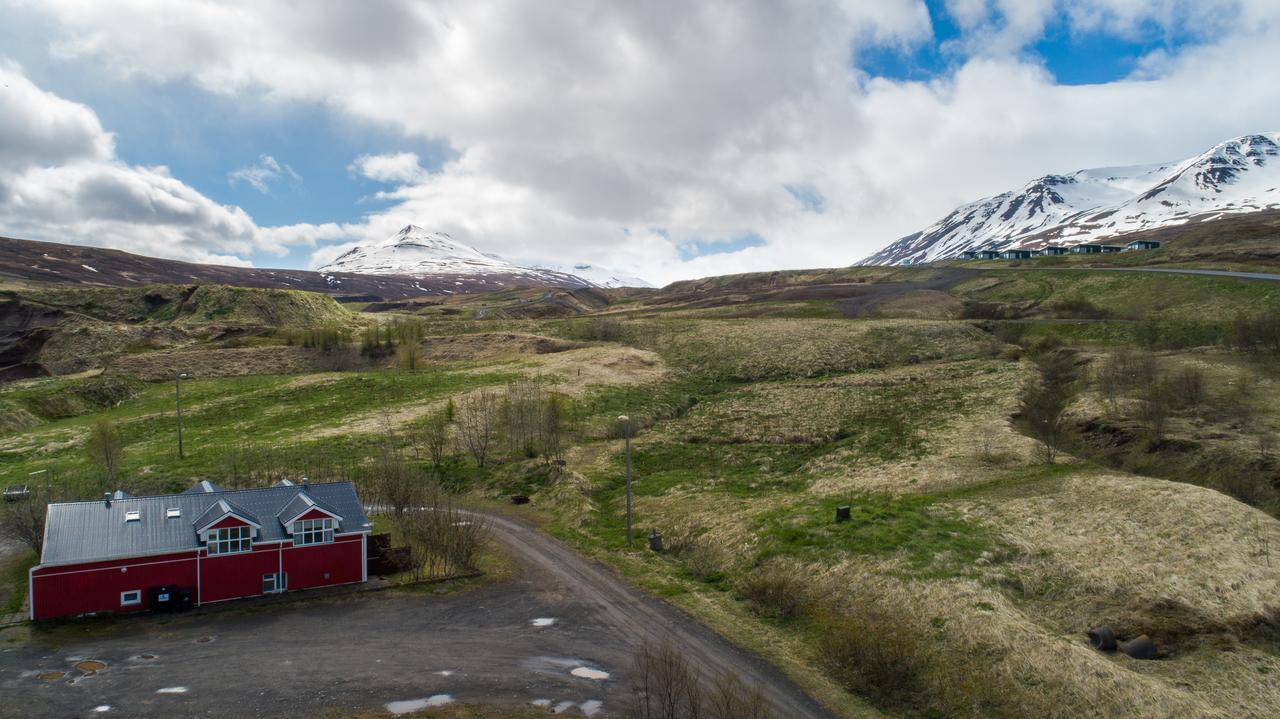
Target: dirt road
633 615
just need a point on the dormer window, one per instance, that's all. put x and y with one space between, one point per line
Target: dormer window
312 531
230 540
133 515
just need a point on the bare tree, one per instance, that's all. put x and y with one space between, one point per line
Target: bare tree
477 418
106 451
552 428
522 416
443 539
667 686
23 521
1045 399
434 436
400 484
409 355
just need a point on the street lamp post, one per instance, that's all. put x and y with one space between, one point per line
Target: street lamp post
177 400
626 421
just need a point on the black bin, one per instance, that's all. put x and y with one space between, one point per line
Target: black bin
163 599
186 600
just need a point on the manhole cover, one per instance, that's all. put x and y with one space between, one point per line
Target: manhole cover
91 665
52 676
205 639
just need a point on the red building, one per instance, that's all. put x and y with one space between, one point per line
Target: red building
128 554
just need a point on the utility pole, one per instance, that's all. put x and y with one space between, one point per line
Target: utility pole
626 421
177 399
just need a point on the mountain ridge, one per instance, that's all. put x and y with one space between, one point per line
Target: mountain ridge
415 251
1236 176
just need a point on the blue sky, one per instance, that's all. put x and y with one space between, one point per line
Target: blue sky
539 138
1072 57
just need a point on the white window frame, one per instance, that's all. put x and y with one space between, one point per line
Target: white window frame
279 582
312 531
230 540
125 601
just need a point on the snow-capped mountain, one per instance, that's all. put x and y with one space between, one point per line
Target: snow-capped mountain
415 252
598 276
1237 176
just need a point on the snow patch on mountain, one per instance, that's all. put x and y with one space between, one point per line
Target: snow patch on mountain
1237 176
598 276
416 252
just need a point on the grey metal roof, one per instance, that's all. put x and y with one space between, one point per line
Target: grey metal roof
204 486
222 508
92 531
302 503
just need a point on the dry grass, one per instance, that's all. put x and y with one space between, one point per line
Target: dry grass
922 305
787 348
577 370
490 345
233 362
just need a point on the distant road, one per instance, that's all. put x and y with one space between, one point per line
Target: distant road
1167 270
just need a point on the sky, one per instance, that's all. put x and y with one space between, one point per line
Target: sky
665 139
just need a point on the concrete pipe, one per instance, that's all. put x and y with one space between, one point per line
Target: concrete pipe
1102 638
1140 648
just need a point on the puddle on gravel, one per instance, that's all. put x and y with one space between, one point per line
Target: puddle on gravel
102 709
445 672
52 676
413 705
543 621
589 708
172 690
91 666
143 658
589 673
205 639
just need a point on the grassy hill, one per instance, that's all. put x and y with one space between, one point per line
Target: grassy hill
969 570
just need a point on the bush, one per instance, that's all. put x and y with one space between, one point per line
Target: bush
668 686
1078 308
777 589
873 652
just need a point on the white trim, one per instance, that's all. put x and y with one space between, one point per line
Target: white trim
109 569
311 506
134 603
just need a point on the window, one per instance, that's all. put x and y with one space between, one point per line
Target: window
172 513
272 583
133 515
131 598
312 531
229 540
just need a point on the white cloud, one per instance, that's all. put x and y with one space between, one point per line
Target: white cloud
398 167
61 181
613 134
263 173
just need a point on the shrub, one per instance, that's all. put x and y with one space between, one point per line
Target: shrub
873 651
668 686
777 589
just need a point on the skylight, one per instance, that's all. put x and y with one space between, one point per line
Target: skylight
172 513
132 515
